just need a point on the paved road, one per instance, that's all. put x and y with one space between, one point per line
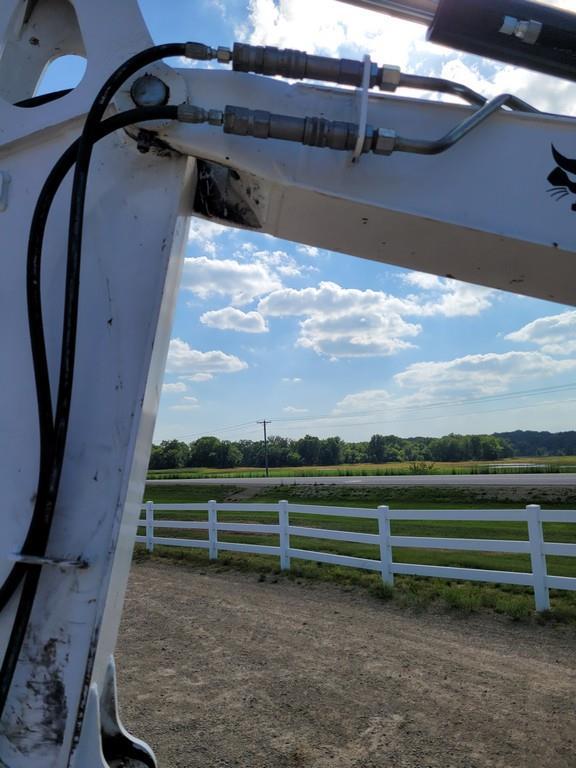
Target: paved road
557 479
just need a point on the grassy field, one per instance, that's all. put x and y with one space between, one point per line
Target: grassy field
525 465
512 600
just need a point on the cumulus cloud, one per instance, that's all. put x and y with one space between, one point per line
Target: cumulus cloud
281 262
453 298
486 374
555 334
207 277
344 322
184 360
175 387
231 319
357 334
348 322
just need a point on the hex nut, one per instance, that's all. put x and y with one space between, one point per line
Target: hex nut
390 79
384 141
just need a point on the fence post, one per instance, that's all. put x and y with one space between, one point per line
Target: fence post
150 526
283 523
385 546
212 530
538 558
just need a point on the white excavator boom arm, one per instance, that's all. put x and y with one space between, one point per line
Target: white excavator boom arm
456 190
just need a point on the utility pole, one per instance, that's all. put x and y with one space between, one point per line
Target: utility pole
264 422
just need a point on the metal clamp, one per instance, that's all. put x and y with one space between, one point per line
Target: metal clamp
363 118
57 561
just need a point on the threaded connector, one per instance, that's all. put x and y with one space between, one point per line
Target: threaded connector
201 52
310 131
188 113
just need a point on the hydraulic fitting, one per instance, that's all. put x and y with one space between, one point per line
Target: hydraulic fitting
298 65
310 131
187 113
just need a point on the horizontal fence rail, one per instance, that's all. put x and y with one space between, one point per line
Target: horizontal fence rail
532 515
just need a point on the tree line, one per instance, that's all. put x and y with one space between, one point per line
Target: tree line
212 452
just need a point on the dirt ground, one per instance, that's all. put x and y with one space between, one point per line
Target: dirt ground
220 670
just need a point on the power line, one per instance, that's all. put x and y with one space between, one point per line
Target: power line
400 411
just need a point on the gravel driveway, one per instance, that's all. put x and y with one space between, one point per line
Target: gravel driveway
219 669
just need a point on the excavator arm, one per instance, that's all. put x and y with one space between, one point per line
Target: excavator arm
96 188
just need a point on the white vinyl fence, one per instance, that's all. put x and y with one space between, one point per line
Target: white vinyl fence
532 515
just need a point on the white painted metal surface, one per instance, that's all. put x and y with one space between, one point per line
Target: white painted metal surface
480 212
131 267
532 516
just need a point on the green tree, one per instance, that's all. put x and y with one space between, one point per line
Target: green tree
309 449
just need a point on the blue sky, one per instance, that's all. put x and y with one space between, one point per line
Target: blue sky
329 344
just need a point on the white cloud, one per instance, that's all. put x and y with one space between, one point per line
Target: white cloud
357 334
288 380
203 234
183 359
344 322
309 250
555 334
227 277
231 319
371 401
452 383
486 374
331 28
282 263
293 409
454 298
187 404
348 322
423 280
329 299
174 387
200 377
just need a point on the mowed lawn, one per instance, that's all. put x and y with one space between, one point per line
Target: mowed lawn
396 498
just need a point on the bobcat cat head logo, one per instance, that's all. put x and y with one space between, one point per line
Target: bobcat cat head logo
562 184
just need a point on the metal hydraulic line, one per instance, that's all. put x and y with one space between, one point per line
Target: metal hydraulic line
419 11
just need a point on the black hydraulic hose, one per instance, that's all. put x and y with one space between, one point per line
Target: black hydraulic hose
39 529
75 229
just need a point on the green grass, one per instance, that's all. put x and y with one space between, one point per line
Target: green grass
468 597
547 464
